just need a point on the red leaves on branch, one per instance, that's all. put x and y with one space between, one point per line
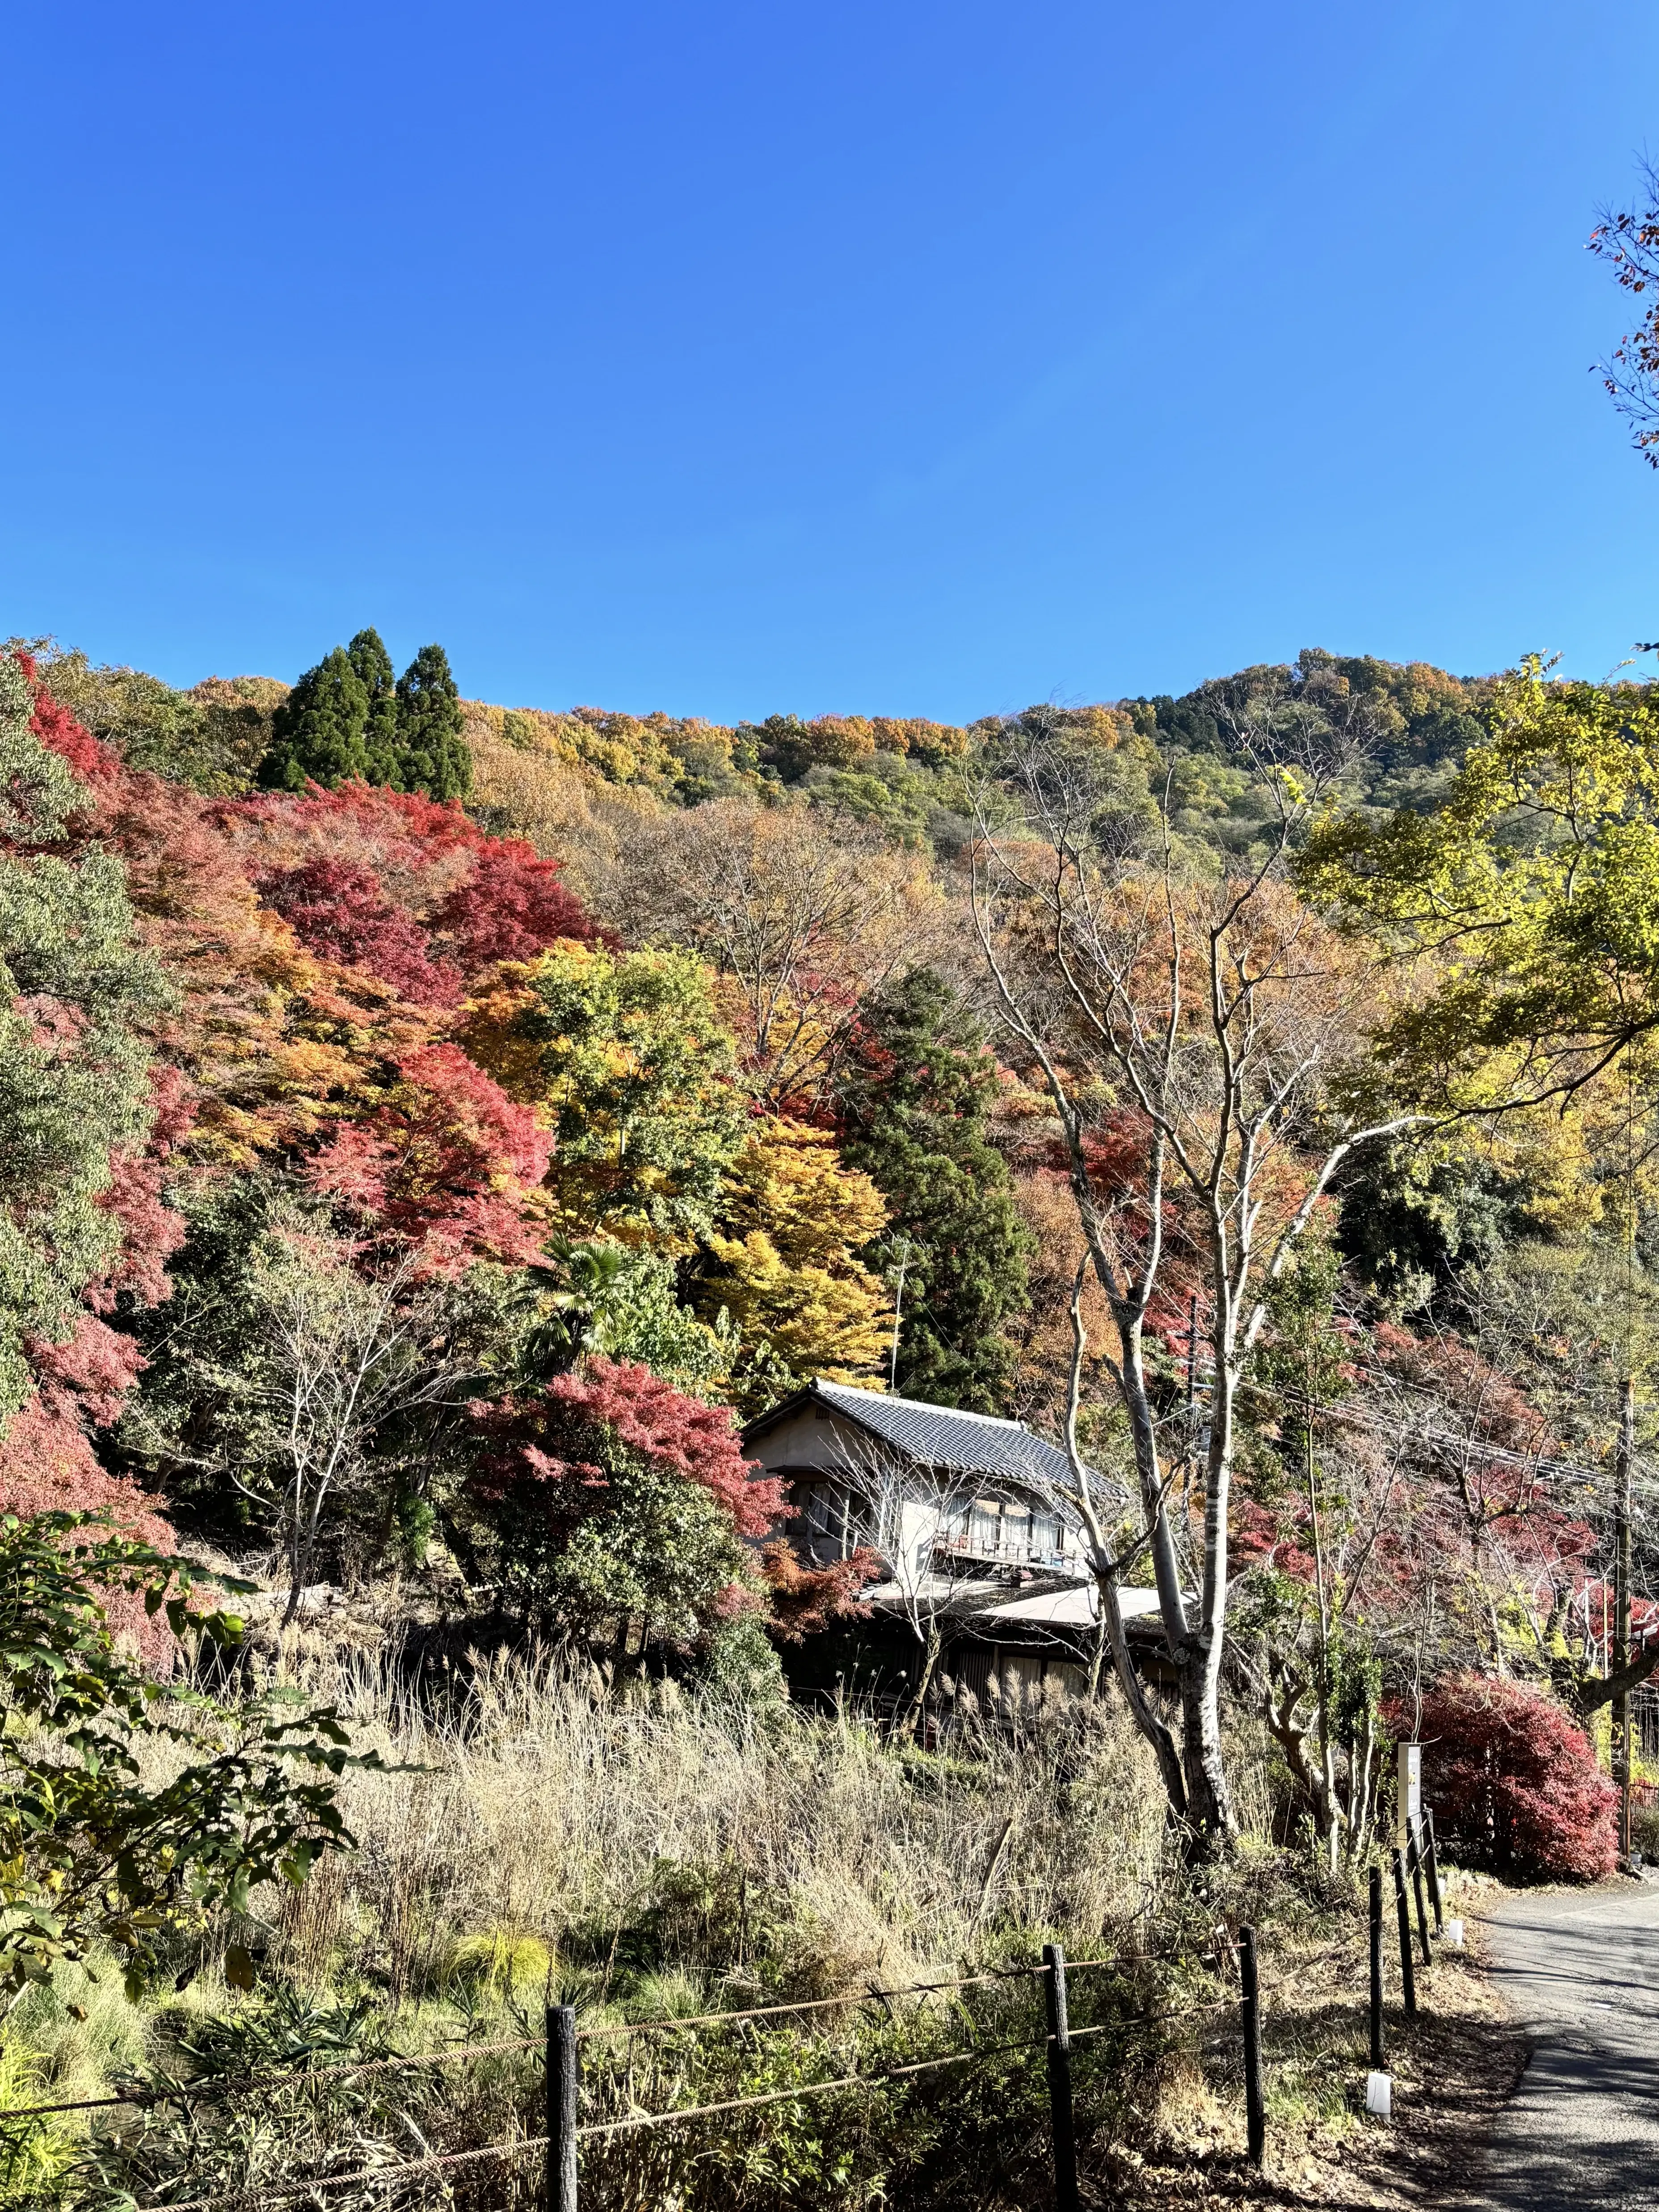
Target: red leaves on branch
57 730
374 813
806 1600
512 907
92 1370
151 1232
1489 1448
405 889
567 1431
48 1466
339 910
1513 1783
443 1161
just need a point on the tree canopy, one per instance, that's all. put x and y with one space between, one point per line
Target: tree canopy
347 721
915 1096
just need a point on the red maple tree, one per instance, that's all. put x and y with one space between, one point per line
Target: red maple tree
1514 1783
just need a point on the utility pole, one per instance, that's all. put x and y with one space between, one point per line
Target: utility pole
898 1311
1621 1621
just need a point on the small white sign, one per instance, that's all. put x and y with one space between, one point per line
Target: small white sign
1455 1933
1408 1797
1379 2095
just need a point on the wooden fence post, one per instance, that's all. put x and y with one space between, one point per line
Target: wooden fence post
1377 1967
561 2108
1414 1860
1432 1861
1407 1978
1255 2115
1059 2078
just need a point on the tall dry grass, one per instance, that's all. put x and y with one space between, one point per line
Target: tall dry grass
644 1851
541 1809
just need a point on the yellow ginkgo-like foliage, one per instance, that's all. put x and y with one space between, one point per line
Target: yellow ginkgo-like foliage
625 1057
793 1223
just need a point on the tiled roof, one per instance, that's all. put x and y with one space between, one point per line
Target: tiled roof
936 1436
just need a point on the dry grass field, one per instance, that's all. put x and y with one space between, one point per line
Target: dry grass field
649 1854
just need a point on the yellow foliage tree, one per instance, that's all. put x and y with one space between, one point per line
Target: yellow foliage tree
625 1059
786 1266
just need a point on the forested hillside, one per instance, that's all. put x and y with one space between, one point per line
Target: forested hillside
544 1062
429 1131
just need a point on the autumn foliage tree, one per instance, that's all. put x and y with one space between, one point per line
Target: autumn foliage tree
87 1119
626 1059
617 1500
783 1263
1207 1026
1514 1783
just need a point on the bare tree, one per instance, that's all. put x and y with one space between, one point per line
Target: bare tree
1097 1511
1627 240
1206 1030
1307 1657
803 916
347 1362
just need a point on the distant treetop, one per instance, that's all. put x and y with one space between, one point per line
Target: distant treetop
1388 733
346 722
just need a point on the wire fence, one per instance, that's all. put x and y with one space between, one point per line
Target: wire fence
566 2129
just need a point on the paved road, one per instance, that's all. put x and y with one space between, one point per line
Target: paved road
1580 1970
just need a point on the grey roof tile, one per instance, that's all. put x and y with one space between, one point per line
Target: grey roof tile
941 1436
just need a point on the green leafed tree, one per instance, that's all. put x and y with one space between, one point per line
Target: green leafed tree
372 664
432 756
1532 895
99 1844
75 991
915 1101
320 733
626 1058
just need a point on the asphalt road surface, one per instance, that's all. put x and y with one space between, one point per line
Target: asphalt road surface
1580 1970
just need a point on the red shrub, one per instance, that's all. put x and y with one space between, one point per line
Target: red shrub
338 910
1513 1783
445 1161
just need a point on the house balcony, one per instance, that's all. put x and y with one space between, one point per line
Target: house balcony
971 1548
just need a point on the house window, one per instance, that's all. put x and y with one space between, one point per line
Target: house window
1004 1529
831 1523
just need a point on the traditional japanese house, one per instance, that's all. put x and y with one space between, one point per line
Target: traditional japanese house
980 1551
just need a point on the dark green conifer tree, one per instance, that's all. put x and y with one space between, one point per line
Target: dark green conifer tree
368 656
914 1105
319 730
432 756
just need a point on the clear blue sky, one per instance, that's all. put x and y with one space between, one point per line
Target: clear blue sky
752 356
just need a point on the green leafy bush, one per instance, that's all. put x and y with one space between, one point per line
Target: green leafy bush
93 1851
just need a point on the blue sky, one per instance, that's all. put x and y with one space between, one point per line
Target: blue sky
900 358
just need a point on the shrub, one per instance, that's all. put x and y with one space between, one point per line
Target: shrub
1514 1785
616 1497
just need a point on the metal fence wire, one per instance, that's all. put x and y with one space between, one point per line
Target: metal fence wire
566 2130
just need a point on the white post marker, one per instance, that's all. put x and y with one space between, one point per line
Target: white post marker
1408 1797
1379 2095
1455 1933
